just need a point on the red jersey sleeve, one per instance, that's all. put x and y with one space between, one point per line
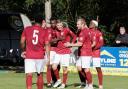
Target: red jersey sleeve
92 34
73 36
100 43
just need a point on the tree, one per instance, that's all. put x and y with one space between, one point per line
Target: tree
48 11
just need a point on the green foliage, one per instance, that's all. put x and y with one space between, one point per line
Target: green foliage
109 37
29 2
112 13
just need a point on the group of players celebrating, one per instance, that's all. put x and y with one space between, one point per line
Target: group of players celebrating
51 44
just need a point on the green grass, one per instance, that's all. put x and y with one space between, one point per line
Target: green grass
17 81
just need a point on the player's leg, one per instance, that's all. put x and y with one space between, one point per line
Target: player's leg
80 72
48 75
56 73
89 78
53 75
49 69
97 65
64 63
29 69
100 77
39 80
29 81
86 62
39 69
65 77
82 77
55 70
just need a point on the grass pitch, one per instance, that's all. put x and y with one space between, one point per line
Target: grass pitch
17 81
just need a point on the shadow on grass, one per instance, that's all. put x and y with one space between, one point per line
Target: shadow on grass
16 69
78 84
69 85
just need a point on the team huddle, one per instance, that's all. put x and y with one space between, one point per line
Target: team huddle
51 45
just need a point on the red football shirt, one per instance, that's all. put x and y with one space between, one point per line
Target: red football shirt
92 34
99 43
85 39
68 36
35 40
54 34
48 33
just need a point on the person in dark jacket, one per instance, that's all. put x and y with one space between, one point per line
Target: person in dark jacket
122 38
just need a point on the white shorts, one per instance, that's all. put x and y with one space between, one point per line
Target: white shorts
52 56
96 62
62 59
34 65
84 61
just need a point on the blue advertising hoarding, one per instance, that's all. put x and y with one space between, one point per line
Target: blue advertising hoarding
115 57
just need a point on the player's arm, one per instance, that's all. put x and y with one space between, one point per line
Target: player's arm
47 47
100 43
92 36
78 44
58 38
93 42
55 40
23 45
73 36
61 37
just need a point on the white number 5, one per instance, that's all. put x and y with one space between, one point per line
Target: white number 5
35 37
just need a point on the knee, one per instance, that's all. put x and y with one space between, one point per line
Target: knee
29 74
54 66
65 70
79 68
39 74
98 70
87 70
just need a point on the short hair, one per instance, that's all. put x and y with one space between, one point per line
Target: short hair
53 18
82 19
65 24
122 27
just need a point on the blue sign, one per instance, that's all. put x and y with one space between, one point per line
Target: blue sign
116 57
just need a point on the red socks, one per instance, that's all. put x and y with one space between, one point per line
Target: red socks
65 75
89 77
49 78
39 81
56 72
29 81
100 77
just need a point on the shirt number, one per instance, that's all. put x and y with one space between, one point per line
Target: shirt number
35 37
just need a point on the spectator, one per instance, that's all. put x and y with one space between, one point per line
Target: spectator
122 38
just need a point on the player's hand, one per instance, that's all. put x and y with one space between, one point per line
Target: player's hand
118 41
23 54
67 44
